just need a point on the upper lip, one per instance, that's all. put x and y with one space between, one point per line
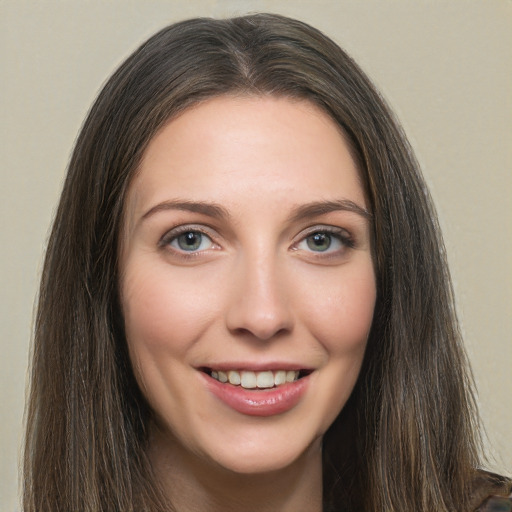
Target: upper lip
255 366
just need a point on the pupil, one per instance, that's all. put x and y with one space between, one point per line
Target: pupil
319 242
189 241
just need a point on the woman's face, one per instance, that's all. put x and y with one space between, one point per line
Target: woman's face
246 256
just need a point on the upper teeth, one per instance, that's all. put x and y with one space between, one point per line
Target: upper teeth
252 380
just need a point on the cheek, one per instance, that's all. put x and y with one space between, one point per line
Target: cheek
163 313
340 311
340 317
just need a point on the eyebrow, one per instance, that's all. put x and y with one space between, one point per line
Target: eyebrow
314 209
205 208
319 208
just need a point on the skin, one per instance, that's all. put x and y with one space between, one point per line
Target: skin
257 290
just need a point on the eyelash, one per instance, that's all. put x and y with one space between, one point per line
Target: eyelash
174 234
341 235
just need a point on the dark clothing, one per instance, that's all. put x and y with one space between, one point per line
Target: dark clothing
492 493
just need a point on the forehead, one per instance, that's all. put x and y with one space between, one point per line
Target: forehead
228 148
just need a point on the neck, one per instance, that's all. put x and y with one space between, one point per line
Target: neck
193 484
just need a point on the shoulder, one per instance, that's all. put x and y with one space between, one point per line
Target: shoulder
491 493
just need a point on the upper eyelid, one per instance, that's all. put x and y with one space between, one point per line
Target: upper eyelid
326 227
344 236
323 227
174 232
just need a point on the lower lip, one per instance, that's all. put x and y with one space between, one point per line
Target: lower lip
265 402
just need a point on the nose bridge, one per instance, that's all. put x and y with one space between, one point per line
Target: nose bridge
259 304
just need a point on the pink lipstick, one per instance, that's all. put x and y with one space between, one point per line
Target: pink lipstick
264 402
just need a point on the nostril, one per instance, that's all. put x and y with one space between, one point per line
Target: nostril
260 311
260 332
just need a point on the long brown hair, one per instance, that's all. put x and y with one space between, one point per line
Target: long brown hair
411 419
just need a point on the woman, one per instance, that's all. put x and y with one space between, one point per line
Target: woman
245 301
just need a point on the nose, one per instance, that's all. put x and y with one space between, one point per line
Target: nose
259 304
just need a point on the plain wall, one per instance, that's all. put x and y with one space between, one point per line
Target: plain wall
445 67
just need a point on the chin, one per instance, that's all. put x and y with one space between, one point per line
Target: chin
253 458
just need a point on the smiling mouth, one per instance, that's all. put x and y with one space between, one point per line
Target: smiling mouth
256 380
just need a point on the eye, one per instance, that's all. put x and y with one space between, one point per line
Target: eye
325 241
322 242
187 240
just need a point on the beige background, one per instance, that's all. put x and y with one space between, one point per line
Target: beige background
445 66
